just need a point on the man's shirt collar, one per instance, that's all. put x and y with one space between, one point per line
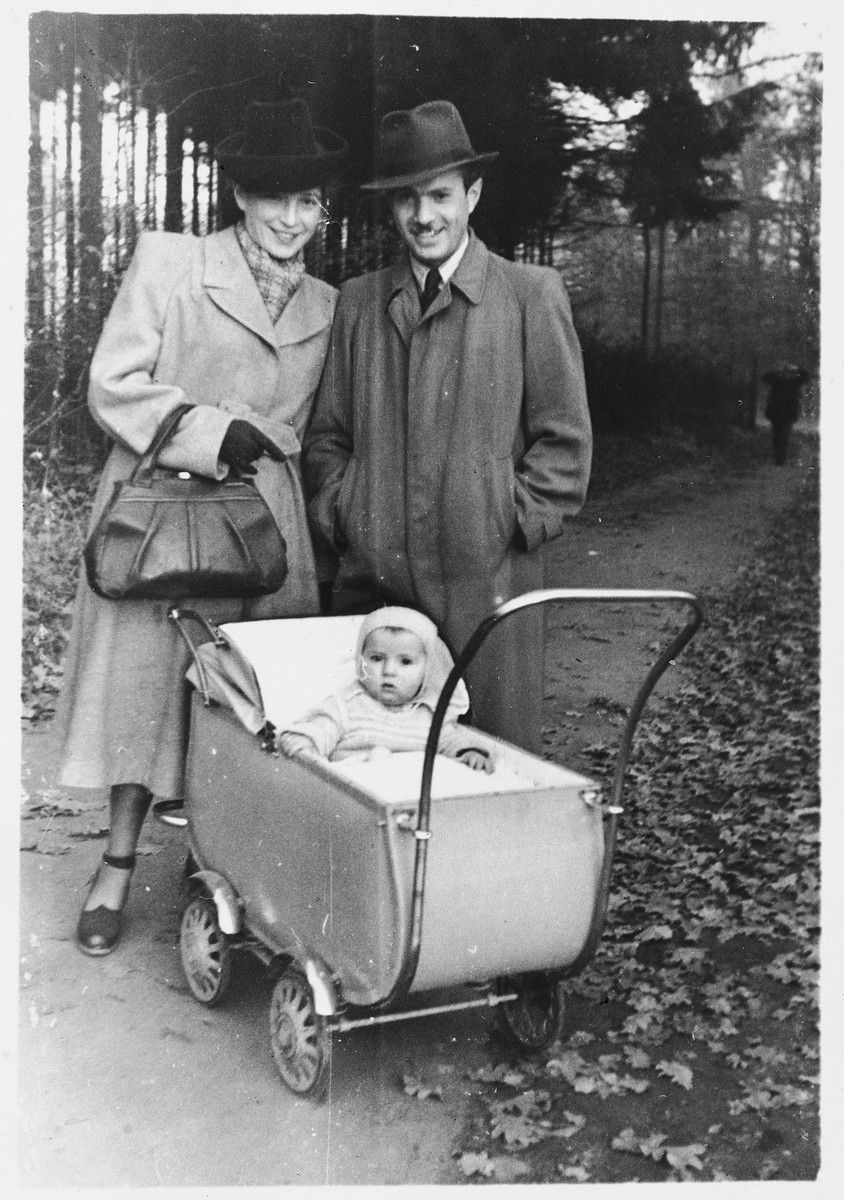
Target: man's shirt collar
447 268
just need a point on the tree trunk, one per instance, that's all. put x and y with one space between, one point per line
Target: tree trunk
68 299
152 158
646 292
35 202
132 143
194 221
173 192
755 279
660 288
117 225
212 178
54 208
544 241
90 179
89 312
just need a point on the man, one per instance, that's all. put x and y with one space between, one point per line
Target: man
450 438
783 407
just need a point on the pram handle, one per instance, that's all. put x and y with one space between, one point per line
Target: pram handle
172 812
613 809
178 616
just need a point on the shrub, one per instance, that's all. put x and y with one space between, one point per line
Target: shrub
56 508
627 392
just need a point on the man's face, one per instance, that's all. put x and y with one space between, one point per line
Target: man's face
433 216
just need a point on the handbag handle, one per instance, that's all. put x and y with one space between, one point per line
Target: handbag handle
147 463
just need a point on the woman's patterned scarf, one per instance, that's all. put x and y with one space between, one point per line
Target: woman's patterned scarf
277 278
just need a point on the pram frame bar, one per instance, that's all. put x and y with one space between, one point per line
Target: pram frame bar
410 958
491 1000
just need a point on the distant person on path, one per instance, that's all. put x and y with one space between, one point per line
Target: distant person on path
450 440
783 405
232 324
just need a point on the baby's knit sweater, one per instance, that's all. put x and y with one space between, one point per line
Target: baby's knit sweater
351 721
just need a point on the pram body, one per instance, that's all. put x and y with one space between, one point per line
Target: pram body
368 886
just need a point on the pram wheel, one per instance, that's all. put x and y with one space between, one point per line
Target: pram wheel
300 1039
535 1018
205 951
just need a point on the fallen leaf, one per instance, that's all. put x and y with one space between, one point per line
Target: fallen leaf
475 1164
685 1157
575 1124
627 1141
578 1174
419 1089
655 933
516 1130
636 1057
508 1169
652 1147
91 834
53 849
677 1072
500 1074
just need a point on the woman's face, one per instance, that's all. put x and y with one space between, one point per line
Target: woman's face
282 225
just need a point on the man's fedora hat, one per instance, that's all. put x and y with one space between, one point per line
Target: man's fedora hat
416 143
280 150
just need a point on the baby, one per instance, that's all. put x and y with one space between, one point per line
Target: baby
401 666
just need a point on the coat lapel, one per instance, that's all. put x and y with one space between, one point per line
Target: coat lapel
403 300
470 276
403 303
229 283
308 311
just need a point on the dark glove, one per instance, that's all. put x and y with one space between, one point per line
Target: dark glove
243 445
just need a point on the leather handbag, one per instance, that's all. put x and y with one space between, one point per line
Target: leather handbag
169 535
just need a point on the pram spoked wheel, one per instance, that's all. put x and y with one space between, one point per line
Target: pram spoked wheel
301 1042
535 1018
205 951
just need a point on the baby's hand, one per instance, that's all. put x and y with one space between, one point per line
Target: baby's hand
477 760
294 745
378 752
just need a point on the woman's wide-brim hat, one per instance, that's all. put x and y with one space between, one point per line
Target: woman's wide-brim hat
417 143
280 150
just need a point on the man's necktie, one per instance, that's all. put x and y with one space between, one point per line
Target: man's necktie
432 286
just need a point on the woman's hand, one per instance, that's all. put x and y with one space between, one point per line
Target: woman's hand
243 445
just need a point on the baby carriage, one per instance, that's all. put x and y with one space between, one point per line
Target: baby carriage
370 890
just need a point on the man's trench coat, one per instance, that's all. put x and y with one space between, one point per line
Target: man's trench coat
188 325
445 450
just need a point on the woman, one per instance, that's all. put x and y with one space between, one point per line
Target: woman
232 324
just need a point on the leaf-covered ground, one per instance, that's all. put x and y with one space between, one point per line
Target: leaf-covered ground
692 1040
55 518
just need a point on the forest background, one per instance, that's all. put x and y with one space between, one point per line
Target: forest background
669 169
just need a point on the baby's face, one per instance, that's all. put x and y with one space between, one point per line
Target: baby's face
393 666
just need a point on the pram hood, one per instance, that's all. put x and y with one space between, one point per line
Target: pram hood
279 670
223 674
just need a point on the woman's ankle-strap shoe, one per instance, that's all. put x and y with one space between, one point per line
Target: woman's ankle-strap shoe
98 930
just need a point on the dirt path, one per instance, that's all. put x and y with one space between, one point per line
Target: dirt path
126 1080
